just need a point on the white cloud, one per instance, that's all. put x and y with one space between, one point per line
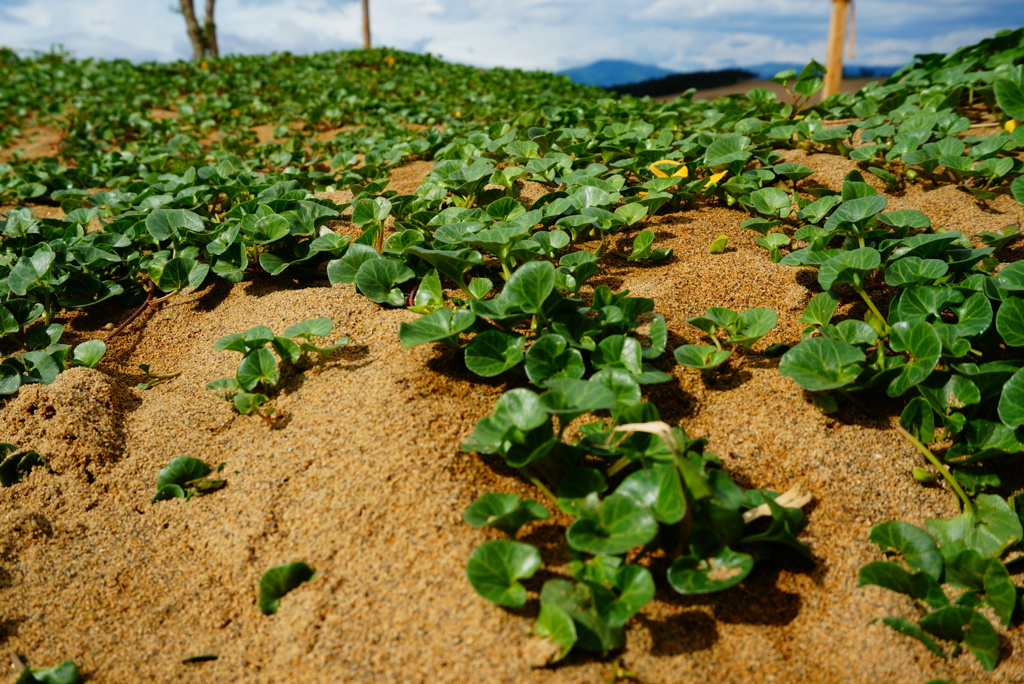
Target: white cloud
529 34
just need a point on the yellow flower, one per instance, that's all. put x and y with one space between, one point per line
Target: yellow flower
682 172
1010 125
389 60
716 177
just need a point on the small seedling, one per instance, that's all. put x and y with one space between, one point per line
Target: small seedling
64 673
744 329
278 581
154 379
15 467
259 368
185 477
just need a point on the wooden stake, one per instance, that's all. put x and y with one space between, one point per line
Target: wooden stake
836 38
366 24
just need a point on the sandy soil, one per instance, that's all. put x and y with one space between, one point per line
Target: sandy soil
364 480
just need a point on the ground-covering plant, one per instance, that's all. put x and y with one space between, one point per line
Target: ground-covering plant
15 464
64 673
925 316
185 477
278 581
259 367
743 330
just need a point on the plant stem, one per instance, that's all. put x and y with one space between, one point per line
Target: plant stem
871 305
536 481
943 470
618 466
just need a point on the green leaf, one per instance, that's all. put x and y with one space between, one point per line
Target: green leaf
1010 321
551 357
495 568
443 325
314 327
658 489
917 546
369 210
529 286
820 309
843 267
769 201
89 353
893 577
612 526
1011 277
555 625
162 224
576 485
505 512
247 402
990 529
820 363
693 575
908 628
580 601
914 271
377 278
344 270
64 673
182 470
182 272
280 580
1011 402
636 588
923 343
958 623
1009 97
258 365
701 357
493 352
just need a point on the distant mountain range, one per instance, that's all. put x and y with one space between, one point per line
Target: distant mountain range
608 73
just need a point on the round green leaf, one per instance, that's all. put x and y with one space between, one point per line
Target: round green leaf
917 546
923 343
495 568
1011 402
820 363
529 286
700 356
258 365
555 625
692 575
612 526
493 352
278 581
377 277
314 327
551 357
181 471
504 511
1010 321
659 489
443 325
89 353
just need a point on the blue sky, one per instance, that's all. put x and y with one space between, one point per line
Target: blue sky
683 35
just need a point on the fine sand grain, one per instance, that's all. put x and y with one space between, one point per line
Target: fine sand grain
363 479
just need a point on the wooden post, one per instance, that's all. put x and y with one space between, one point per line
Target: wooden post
836 38
366 24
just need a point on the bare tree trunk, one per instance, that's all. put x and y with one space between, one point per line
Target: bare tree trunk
210 31
366 24
195 33
836 38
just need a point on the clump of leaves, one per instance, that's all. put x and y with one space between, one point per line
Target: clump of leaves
963 554
64 673
47 358
743 331
185 477
15 466
259 368
278 581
